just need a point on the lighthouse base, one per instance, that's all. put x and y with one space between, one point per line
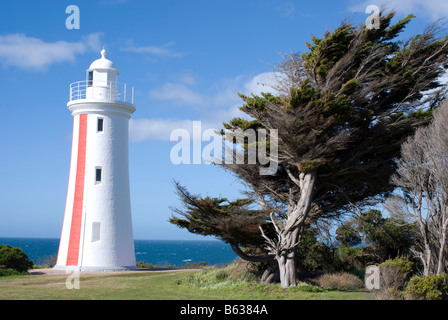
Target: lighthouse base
98 269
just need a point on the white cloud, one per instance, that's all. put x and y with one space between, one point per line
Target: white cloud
217 106
262 83
19 50
179 94
435 8
186 78
220 95
160 129
155 129
286 9
164 50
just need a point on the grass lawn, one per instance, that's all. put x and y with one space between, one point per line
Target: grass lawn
160 285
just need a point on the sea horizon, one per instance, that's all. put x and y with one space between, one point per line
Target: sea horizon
135 239
157 252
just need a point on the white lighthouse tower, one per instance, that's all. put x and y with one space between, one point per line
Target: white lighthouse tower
97 229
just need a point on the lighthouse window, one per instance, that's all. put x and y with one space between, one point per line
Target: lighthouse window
96 231
100 125
90 80
98 173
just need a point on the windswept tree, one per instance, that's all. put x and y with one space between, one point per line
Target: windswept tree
423 181
344 109
234 222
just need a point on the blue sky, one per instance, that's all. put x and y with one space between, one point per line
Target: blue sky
187 61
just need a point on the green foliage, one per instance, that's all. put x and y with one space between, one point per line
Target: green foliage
433 287
375 239
313 255
308 287
231 221
350 87
347 234
222 275
303 94
257 103
10 272
394 274
14 258
350 257
325 52
195 265
419 114
401 263
242 124
144 265
214 278
310 166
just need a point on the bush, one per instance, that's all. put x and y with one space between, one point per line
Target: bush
196 265
306 287
434 287
14 258
340 281
394 273
244 271
46 262
146 265
209 278
390 294
222 275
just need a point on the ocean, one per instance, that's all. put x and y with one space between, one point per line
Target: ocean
156 252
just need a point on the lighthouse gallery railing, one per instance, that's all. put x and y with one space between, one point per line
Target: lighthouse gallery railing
117 91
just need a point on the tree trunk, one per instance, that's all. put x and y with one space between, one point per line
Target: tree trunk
427 255
441 260
290 233
242 255
287 265
271 274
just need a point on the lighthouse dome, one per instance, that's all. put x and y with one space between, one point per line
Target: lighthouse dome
103 63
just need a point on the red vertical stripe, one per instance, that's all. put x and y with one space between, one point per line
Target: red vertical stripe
75 229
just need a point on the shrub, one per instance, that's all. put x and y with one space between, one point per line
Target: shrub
306 287
434 287
144 265
394 273
243 271
390 294
222 275
10 272
195 265
14 258
209 278
46 261
340 281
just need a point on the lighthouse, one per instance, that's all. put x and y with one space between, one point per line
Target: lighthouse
97 227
